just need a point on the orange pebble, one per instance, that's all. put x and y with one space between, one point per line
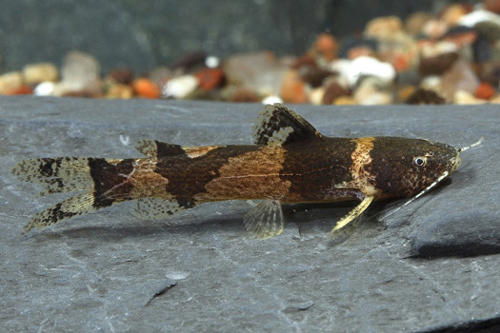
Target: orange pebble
22 90
293 88
485 91
146 88
210 78
326 45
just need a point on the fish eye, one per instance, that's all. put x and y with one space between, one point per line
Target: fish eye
420 161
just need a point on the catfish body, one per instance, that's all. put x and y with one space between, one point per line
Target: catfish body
291 162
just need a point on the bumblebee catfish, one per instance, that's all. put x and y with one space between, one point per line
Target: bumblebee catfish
291 162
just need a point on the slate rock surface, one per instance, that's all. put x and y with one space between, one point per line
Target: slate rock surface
430 267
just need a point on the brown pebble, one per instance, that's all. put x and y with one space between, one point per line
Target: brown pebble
305 60
424 96
492 5
124 76
244 95
333 91
437 65
210 78
314 76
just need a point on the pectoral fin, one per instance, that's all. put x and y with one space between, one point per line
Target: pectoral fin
351 216
265 220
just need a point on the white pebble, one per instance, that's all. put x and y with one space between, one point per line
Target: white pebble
44 89
471 19
180 87
272 100
212 62
365 65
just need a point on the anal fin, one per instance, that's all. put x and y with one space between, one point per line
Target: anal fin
157 208
353 215
265 220
77 205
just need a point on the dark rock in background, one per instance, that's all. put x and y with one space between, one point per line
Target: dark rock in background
143 34
34 31
200 271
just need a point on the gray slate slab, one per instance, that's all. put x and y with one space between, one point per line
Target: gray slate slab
432 266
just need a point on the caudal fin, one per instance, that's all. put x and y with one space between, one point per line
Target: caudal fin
103 182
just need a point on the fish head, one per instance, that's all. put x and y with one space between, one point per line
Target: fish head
404 167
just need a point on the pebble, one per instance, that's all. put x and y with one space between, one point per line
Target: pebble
434 29
44 89
450 56
80 73
452 14
22 90
477 16
370 92
314 76
333 90
388 27
423 96
359 47
273 99
437 65
146 88
40 72
119 90
160 76
180 87
459 77
369 66
345 100
492 5
465 98
124 76
259 71
485 91
210 78
495 100
10 81
212 62
416 21
243 95
325 47
315 95
293 89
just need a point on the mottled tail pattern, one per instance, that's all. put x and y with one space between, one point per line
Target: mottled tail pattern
68 174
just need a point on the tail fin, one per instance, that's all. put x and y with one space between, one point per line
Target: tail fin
60 174
104 181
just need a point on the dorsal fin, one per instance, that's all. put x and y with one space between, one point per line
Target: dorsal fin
279 125
154 149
